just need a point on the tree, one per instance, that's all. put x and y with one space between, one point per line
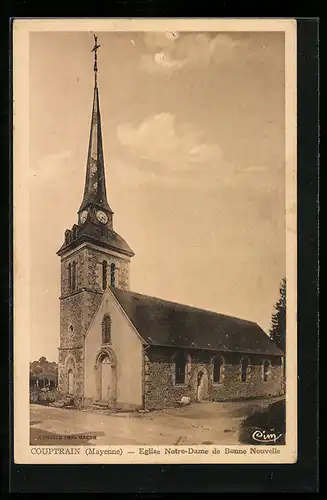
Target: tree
277 331
44 373
43 366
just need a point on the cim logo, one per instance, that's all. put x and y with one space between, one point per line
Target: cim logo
265 436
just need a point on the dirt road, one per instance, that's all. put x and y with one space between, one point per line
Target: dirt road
200 423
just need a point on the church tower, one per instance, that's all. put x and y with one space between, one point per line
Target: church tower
93 257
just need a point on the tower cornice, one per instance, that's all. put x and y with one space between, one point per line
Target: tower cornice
114 243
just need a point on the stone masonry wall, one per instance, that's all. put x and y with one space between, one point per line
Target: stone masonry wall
231 386
76 313
89 270
80 257
160 390
72 320
72 331
95 260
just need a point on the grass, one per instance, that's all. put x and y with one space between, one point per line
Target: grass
271 420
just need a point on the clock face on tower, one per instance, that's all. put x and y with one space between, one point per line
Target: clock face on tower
102 217
84 215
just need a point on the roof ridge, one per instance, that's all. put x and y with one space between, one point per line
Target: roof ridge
187 306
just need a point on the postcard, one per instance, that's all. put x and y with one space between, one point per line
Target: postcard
155 236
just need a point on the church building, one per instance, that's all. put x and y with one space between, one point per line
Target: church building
127 350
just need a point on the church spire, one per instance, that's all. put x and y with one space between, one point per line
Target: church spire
95 184
95 217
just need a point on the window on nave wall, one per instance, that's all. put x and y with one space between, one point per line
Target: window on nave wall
180 368
245 363
266 366
218 364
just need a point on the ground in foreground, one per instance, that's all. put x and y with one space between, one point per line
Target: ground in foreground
200 423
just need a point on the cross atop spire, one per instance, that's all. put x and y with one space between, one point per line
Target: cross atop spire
95 66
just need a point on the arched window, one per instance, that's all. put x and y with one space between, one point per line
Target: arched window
112 274
69 277
244 369
106 329
218 364
74 275
104 274
266 366
180 368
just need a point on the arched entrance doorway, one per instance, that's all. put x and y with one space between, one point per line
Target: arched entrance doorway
70 375
105 372
202 385
70 381
106 378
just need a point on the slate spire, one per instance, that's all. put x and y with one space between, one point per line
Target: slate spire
95 183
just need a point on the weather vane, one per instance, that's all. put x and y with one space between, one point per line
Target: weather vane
95 50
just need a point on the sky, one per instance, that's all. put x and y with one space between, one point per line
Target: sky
194 148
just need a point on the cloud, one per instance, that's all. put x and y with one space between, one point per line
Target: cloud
160 40
165 61
160 62
50 167
162 149
172 51
163 141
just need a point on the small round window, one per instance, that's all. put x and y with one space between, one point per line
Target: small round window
71 329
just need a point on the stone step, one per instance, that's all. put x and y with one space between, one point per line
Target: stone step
101 404
64 401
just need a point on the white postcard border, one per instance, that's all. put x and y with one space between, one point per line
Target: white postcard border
23 452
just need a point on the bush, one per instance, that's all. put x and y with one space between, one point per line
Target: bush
53 396
34 397
272 418
45 397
